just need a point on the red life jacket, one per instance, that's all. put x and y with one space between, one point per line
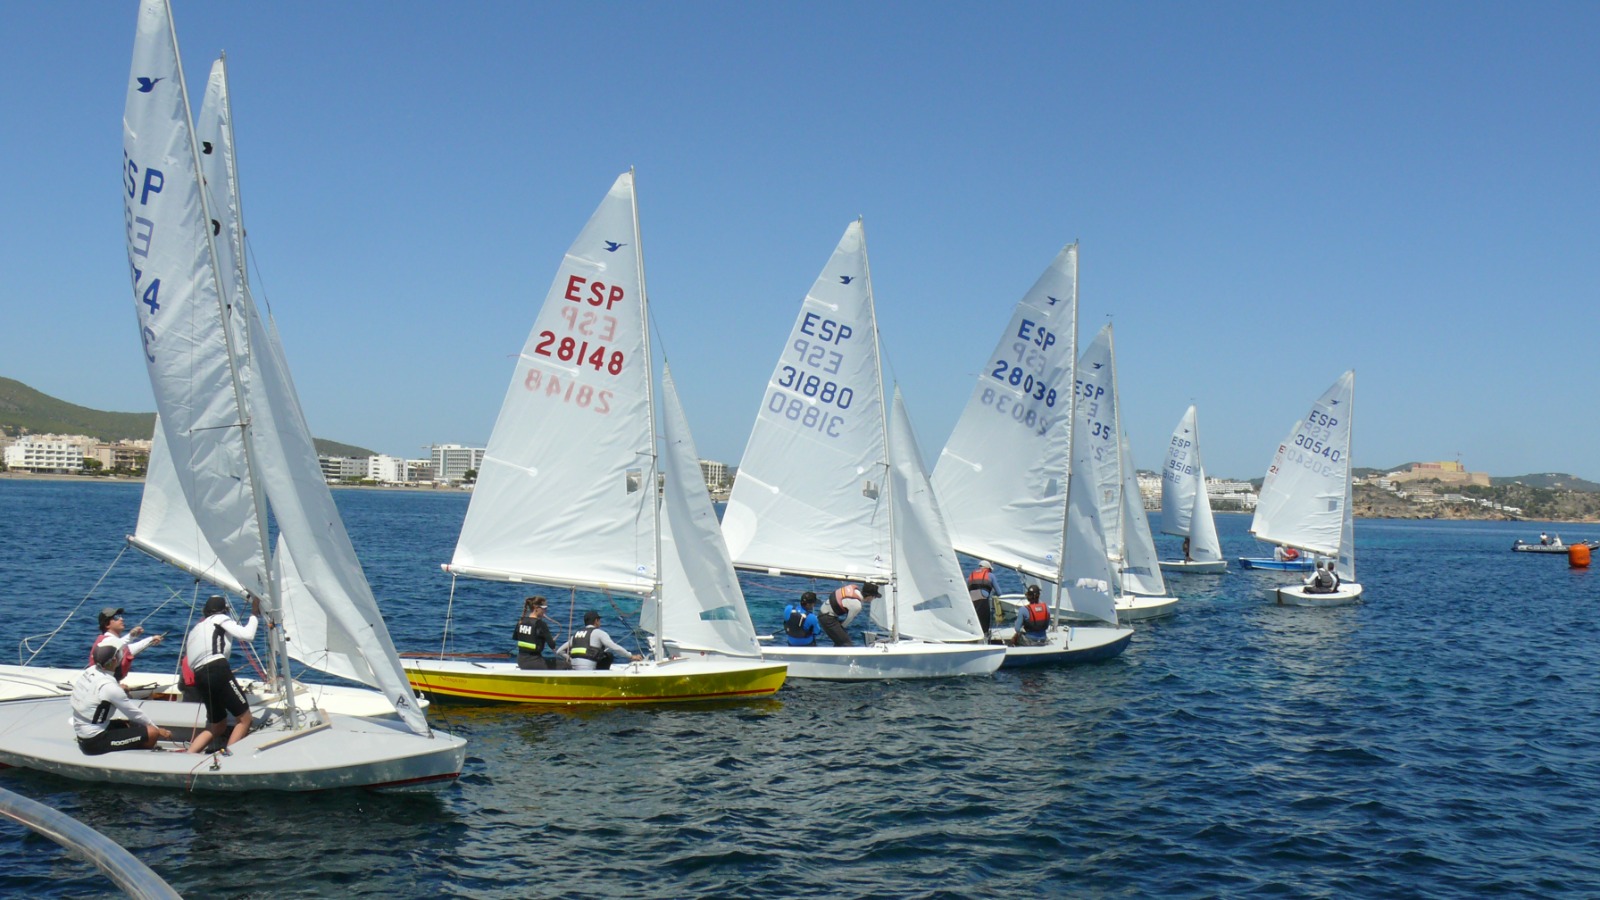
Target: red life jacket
1038 616
1291 553
981 578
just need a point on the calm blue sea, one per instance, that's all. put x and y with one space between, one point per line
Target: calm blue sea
1439 740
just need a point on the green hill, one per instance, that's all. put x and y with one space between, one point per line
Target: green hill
1559 481
24 410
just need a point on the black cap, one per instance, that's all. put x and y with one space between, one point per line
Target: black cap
107 614
868 589
808 597
591 617
214 604
106 654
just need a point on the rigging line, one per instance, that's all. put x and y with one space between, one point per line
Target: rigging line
449 610
49 636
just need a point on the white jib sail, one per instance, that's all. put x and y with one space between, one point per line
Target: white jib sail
1141 568
326 606
1001 478
1098 453
1087 577
1303 501
929 593
702 607
569 470
809 497
175 290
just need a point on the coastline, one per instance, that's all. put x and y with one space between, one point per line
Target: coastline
1362 510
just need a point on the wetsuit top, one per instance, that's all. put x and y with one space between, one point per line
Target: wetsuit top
95 694
212 638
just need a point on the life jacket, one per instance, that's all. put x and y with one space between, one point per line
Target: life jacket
981 579
580 643
837 608
1291 553
527 635
1038 618
848 590
794 625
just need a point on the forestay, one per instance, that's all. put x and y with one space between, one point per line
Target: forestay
929 598
810 497
1001 478
578 402
1305 497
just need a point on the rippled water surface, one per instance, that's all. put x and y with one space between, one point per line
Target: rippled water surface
1438 740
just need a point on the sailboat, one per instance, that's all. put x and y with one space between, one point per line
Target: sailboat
1006 480
1185 504
567 497
237 445
831 486
1108 462
1305 498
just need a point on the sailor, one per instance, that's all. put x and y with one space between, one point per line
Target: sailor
591 648
1544 538
980 587
800 623
207 648
1033 620
533 635
836 615
113 631
96 695
1321 580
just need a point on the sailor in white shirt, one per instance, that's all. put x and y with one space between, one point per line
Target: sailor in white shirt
95 696
208 646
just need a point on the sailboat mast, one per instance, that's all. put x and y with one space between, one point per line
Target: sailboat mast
652 493
275 645
883 421
1072 444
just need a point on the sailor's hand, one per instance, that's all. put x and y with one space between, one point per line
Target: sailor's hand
137 630
162 733
636 657
157 639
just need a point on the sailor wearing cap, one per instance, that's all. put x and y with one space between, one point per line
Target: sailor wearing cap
208 646
591 648
95 696
114 631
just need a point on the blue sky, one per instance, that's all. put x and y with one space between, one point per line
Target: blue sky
1265 195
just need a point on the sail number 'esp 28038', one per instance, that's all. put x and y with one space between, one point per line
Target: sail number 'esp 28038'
804 389
585 344
1024 365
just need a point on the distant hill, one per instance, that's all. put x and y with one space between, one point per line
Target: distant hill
23 409
1560 481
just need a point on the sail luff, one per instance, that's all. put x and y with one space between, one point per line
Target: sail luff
654 468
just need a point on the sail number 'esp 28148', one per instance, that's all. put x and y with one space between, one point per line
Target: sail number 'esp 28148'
803 389
589 329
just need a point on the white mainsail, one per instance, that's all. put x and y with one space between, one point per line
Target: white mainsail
579 402
191 356
1108 465
166 529
1305 498
702 606
1185 504
928 599
811 495
1002 476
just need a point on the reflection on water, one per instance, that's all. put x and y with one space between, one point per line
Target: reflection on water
1435 740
